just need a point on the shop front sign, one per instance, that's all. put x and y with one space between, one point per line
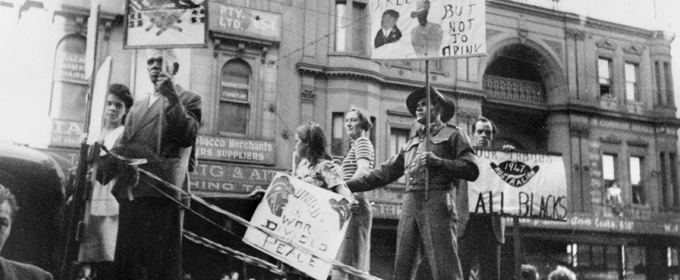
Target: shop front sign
605 224
222 180
235 149
66 133
244 22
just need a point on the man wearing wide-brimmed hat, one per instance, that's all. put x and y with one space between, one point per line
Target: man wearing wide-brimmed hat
426 38
427 226
161 129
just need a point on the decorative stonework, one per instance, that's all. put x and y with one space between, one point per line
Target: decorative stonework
467 115
611 139
522 33
575 34
634 49
606 44
490 33
637 143
307 96
577 130
556 46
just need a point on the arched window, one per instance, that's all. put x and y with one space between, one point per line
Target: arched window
69 86
234 97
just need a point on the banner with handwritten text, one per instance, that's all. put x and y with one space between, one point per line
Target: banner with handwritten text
420 29
526 185
305 216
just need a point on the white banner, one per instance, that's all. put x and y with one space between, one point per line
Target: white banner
166 24
526 185
98 104
304 215
421 29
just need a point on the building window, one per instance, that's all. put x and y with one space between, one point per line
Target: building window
359 28
398 139
608 170
591 260
337 147
638 192
635 262
340 26
669 83
69 86
234 107
604 76
667 198
351 23
657 77
673 169
631 72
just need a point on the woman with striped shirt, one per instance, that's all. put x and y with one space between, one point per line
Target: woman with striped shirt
355 249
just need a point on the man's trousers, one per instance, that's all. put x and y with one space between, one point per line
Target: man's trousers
427 231
149 239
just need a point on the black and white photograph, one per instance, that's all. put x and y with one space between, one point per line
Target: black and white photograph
339 140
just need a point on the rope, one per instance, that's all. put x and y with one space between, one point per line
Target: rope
336 264
234 253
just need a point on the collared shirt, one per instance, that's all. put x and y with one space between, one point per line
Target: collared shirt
446 141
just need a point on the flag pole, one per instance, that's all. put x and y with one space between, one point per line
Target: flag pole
77 211
427 126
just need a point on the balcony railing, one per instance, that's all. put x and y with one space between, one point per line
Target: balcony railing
514 90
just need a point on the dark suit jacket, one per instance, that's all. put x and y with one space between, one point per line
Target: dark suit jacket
381 39
464 214
179 127
11 270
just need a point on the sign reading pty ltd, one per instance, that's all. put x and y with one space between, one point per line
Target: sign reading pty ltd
304 216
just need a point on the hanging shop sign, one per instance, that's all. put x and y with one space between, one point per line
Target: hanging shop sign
422 29
166 24
305 216
525 185
235 149
244 22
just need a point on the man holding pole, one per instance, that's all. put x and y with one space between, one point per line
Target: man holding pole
161 129
432 165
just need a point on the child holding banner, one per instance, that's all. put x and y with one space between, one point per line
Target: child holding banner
316 167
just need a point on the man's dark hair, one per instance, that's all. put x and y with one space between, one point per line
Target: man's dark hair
529 272
494 129
391 13
122 92
6 195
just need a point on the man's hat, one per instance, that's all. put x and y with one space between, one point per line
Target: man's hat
422 6
448 107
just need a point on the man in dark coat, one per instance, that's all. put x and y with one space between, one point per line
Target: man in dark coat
162 129
389 32
427 225
11 269
482 236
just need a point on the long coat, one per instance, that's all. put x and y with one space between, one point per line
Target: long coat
143 131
